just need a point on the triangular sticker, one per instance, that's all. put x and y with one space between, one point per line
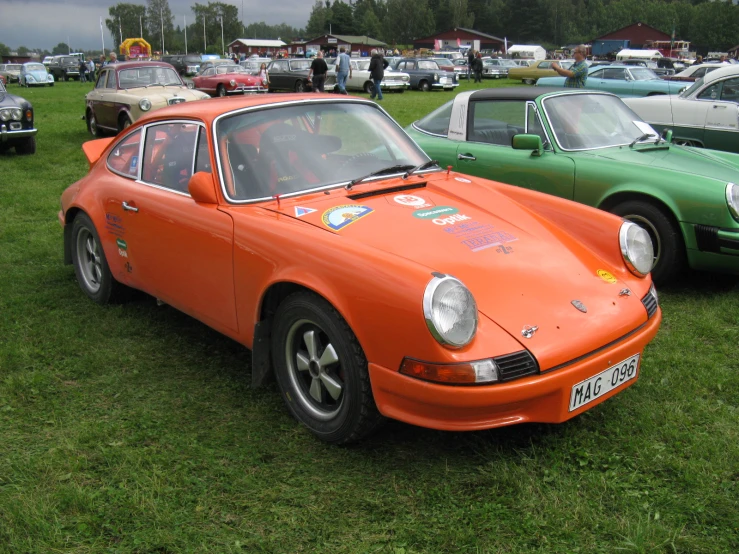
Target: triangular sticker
303 211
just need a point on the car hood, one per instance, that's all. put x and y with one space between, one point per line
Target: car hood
40 75
8 100
692 161
162 94
520 268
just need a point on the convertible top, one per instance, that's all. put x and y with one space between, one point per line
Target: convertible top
516 93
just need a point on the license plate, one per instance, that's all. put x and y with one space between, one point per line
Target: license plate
591 389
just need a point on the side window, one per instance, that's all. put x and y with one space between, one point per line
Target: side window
496 121
437 122
169 153
111 80
209 71
101 79
124 159
711 93
597 74
545 65
534 126
410 65
730 90
202 155
614 73
700 72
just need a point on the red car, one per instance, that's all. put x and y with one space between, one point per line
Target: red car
228 79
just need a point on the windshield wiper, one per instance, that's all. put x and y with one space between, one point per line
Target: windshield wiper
383 171
645 136
424 165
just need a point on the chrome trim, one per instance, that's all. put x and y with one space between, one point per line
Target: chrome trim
733 210
6 135
426 132
528 331
428 297
622 232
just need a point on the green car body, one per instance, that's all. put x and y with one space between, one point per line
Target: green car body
591 148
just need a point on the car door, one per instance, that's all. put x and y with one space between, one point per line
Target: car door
617 80
278 77
206 82
722 115
491 125
97 98
177 250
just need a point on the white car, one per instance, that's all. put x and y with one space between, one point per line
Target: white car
362 80
694 72
704 115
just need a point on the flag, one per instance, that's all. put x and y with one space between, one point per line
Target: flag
101 23
505 47
459 42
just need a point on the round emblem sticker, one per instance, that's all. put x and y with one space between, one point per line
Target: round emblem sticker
606 276
411 201
462 180
437 211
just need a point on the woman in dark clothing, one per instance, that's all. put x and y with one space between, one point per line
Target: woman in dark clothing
477 67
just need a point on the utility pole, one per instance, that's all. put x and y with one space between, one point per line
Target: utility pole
102 37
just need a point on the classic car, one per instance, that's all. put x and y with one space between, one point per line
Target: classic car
313 231
207 64
125 91
532 73
228 79
2 79
496 68
292 74
704 115
184 64
621 80
694 72
445 63
11 72
660 69
16 123
394 81
425 74
65 68
35 73
252 65
461 69
590 147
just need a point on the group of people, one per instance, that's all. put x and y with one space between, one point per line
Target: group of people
319 69
89 68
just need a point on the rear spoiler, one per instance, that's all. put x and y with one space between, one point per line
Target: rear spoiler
93 149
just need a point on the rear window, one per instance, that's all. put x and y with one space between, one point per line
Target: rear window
69 60
437 122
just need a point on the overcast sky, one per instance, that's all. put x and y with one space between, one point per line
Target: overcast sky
46 23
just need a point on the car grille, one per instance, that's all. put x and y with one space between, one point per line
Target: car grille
175 100
518 364
650 303
707 238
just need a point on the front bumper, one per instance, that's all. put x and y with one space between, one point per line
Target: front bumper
542 398
7 133
243 89
445 86
395 85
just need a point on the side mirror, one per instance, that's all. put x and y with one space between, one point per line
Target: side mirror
528 142
202 188
668 136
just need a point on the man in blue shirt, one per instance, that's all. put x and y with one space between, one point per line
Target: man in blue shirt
577 74
343 70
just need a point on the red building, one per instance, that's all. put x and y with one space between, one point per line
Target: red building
363 45
460 37
637 33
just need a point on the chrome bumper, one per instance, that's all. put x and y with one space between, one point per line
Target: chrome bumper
7 134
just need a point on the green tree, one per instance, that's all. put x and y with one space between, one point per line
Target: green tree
61 48
319 19
213 13
22 51
406 20
127 20
4 49
342 19
370 25
159 24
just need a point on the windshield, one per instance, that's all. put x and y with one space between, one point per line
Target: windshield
148 76
589 121
222 69
70 60
35 67
427 64
643 74
692 88
300 65
12 67
294 149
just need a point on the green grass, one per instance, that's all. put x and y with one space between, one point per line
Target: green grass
132 428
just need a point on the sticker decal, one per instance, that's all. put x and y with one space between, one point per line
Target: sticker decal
462 180
338 217
606 276
435 212
300 211
114 225
478 236
412 201
450 220
122 248
504 249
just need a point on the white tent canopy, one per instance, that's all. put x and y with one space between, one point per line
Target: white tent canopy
528 51
627 54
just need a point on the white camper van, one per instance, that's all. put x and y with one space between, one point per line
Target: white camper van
627 54
530 51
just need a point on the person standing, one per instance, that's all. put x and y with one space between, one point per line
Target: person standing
577 74
263 75
477 67
470 62
317 73
83 71
113 58
343 70
377 67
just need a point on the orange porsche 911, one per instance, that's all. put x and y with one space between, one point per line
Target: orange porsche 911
369 281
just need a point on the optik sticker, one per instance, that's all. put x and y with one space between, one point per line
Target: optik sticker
338 217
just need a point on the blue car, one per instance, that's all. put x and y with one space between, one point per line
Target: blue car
621 80
33 74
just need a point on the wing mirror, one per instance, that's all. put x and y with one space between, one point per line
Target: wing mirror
528 142
667 135
202 188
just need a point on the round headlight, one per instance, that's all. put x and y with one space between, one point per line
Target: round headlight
17 113
450 311
232 83
145 104
436 76
636 248
4 115
732 199
30 78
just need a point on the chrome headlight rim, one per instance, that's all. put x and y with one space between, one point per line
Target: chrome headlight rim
732 199
5 115
634 266
16 114
432 287
145 104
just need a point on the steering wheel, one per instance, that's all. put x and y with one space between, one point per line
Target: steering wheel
362 157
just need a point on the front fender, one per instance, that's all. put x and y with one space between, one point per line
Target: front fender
613 196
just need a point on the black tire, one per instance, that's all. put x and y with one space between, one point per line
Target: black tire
124 121
221 91
92 125
28 146
424 86
90 264
400 91
669 247
51 84
299 86
369 87
329 390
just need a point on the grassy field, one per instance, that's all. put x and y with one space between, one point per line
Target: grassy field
132 428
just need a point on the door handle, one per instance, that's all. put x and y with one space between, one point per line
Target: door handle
129 208
716 107
469 157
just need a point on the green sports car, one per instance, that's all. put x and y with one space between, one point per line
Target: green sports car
590 147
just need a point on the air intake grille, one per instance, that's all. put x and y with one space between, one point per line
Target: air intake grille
518 364
707 238
650 303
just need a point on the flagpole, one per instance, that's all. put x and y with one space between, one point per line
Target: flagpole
161 18
205 43
102 37
120 30
184 17
223 44
141 27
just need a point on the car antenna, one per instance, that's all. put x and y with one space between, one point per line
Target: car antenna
277 198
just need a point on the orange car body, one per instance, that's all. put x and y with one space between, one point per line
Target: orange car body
227 264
